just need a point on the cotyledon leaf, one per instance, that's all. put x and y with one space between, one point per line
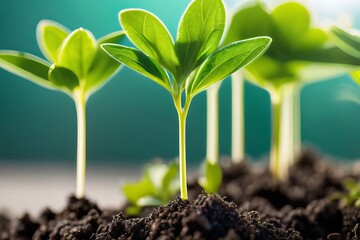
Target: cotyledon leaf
227 60
347 41
139 62
77 52
150 35
50 35
27 66
199 34
63 78
103 66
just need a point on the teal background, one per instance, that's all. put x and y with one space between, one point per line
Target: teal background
132 119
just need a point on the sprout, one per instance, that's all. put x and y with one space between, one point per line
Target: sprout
352 195
189 66
78 67
157 187
299 54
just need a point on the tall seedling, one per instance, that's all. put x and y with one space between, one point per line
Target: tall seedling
300 53
191 64
75 65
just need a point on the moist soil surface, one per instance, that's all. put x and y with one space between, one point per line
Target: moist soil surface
251 205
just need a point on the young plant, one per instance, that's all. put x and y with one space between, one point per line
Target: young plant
300 54
352 195
157 187
75 65
191 64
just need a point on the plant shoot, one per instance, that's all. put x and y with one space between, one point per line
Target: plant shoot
189 65
75 65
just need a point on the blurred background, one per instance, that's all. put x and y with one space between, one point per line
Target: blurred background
131 120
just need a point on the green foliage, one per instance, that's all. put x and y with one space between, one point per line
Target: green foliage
138 61
156 187
199 33
75 57
189 65
151 36
297 46
348 41
79 68
211 178
352 195
226 61
49 36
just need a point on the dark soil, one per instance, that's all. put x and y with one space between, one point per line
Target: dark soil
304 203
301 208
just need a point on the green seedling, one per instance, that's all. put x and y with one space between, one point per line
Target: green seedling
352 195
300 54
191 64
158 186
349 42
75 65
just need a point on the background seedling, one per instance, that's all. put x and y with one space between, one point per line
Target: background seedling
189 66
349 41
300 53
158 186
75 65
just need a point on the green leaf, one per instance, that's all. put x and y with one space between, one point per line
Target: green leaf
261 24
103 67
139 62
227 60
27 66
356 77
150 35
212 178
148 201
77 52
63 78
199 34
50 35
170 175
114 37
134 191
292 20
346 40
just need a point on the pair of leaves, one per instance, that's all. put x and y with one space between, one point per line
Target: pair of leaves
77 59
199 34
296 48
156 187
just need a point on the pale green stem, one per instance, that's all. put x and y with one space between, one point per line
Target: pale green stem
286 130
275 165
287 155
297 120
212 138
182 115
237 147
80 103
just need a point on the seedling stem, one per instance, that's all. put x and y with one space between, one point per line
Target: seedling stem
80 103
212 143
182 115
237 86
